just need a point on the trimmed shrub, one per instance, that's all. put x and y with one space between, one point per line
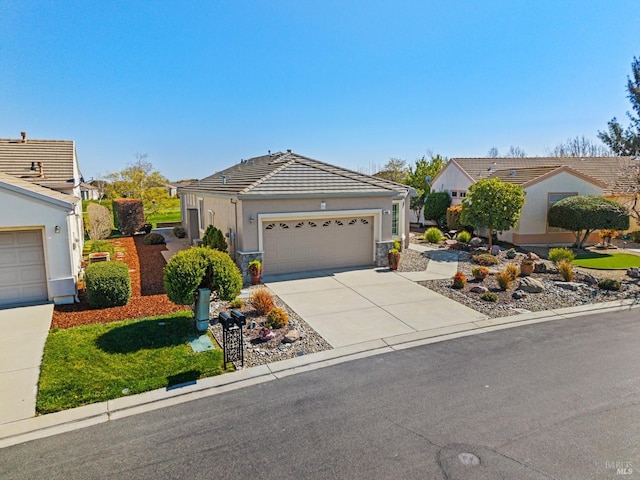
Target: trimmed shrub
556 255
433 235
453 217
503 277
489 297
277 318
99 246
635 236
435 207
262 300
609 284
201 267
480 273
512 269
459 280
108 284
566 270
236 303
99 219
128 215
213 238
154 239
485 259
179 232
463 236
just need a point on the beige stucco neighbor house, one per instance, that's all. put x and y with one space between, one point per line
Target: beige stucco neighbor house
545 180
298 214
41 235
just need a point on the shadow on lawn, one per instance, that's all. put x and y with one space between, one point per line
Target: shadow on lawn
146 335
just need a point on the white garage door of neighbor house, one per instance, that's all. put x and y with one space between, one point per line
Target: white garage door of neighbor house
23 276
314 244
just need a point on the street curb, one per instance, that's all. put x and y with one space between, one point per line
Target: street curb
73 419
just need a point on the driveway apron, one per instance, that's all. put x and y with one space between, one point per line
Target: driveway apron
347 307
24 332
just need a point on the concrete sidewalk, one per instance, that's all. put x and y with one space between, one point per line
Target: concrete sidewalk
442 264
173 243
24 332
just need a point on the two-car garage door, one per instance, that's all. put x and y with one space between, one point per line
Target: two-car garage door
314 244
23 276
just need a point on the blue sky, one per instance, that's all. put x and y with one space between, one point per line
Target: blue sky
200 85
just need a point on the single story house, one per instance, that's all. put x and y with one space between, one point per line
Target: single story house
89 192
298 214
172 188
41 234
545 180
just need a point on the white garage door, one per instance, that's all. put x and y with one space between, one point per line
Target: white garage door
313 244
23 276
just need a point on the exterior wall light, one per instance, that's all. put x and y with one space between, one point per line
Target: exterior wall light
57 229
323 205
252 219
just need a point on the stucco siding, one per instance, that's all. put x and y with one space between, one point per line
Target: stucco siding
62 250
451 178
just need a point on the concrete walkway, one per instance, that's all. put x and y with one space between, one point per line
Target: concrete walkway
442 264
173 243
24 332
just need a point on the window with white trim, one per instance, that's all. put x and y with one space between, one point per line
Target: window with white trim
551 199
201 212
212 216
395 218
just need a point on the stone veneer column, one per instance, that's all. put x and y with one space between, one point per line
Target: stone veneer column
243 259
382 252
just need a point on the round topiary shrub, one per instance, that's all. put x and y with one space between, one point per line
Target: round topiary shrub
480 273
154 239
201 267
433 235
107 284
179 231
277 318
556 255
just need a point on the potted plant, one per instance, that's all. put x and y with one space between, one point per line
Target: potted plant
526 266
255 270
394 258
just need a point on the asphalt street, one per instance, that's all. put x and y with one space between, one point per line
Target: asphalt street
556 400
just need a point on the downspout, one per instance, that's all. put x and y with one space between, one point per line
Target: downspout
235 232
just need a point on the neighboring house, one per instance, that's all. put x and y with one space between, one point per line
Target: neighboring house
89 192
172 188
545 180
41 234
298 214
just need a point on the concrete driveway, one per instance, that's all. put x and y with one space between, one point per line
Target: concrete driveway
24 332
355 306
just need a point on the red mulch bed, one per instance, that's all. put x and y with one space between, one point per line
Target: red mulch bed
146 265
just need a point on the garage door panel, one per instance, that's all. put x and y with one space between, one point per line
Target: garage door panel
23 276
313 244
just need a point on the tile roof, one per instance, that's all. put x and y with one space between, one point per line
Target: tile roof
521 176
290 174
608 170
56 157
25 186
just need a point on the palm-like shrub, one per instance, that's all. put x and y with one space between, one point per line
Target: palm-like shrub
504 279
566 270
262 300
512 269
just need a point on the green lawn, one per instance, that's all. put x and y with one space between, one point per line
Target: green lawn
93 363
607 261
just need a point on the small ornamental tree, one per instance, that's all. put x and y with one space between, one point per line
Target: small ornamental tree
128 215
492 204
435 207
582 214
100 222
201 267
214 238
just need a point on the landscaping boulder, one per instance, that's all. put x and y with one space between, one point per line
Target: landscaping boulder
544 266
587 278
518 294
634 272
495 250
475 242
479 289
291 336
531 285
573 286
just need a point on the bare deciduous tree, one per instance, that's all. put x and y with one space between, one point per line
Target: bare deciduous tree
99 221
